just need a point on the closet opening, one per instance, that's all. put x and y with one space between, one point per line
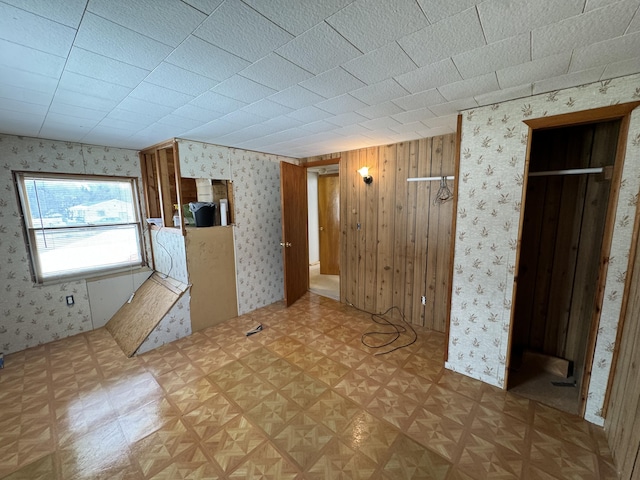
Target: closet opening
565 217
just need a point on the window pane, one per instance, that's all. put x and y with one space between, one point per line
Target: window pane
68 202
77 250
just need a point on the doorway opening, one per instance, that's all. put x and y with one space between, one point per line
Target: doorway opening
323 189
559 269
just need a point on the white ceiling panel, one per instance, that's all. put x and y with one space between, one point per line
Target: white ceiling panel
129 118
610 51
369 24
625 67
89 101
104 68
413 116
242 118
504 95
24 124
18 106
237 28
429 77
243 89
63 131
470 87
380 110
437 10
92 86
181 80
267 109
178 123
58 119
582 30
282 123
380 64
446 120
216 128
297 16
115 41
319 49
319 126
27 80
33 31
523 15
535 70
275 72
296 97
193 112
67 13
450 108
634 26
593 4
163 96
444 39
512 51
568 80
380 92
28 59
205 6
332 83
341 104
19 94
137 105
202 57
409 127
379 123
349 118
76 111
309 114
169 21
217 103
418 100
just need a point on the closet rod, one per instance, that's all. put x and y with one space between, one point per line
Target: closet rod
571 171
428 179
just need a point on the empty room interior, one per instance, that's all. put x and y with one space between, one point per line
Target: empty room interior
297 239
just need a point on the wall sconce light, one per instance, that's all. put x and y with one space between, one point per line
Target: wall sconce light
364 171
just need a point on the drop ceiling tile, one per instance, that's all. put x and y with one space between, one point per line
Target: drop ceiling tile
180 124
76 111
92 86
202 57
319 49
609 51
422 99
454 107
137 105
63 131
380 92
505 95
58 119
470 87
267 109
380 110
169 22
634 26
429 77
118 115
582 30
319 126
437 10
332 83
523 15
413 116
283 123
413 127
447 120
33 31
71 97
495 56
194 112
242 119
370 24
28 81
341 104
380 64
535 70
19 94
112 40
275 72
109 136
234 20
236 137
309 114
243 89
30 60
593 4
68 13
156 133
344 119
379 123
217 103
181 80
134 112
24 124
453 35
104 68
296 97
624 67
296 16
205 6
21 106
163 96
129 126
568 80
438 131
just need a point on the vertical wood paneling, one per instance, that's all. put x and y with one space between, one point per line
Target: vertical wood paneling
402 250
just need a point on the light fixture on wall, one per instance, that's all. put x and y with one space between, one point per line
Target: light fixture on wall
364 171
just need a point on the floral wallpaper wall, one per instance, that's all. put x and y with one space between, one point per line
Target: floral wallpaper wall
493 149
176 324
204 160
36 314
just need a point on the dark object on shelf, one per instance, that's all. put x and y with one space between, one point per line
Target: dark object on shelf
203 213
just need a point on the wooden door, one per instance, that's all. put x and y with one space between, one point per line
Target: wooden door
329 222
295 256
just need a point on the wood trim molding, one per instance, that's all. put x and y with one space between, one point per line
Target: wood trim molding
600 114
322 163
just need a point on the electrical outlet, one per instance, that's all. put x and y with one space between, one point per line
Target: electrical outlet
423 299
70 300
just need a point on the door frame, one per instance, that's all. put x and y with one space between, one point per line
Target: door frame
623 113
322 163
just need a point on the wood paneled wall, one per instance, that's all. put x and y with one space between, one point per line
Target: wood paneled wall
395 243
622 425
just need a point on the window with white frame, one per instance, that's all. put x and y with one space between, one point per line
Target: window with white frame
78 225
